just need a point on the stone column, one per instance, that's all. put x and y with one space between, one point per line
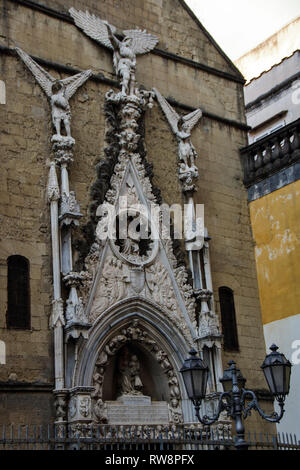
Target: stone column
57 318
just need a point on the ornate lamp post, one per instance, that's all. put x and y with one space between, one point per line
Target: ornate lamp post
277 370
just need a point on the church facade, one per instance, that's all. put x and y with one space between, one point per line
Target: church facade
120 125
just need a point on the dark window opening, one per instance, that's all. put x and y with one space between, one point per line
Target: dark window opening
18 293
228 319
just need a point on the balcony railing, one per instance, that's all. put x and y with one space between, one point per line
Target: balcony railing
271 154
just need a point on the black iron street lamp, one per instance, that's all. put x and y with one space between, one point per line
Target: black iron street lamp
277 370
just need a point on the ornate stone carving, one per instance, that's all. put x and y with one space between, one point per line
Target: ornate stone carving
75 309
182 127
124 52
208 320
80 404
130 379
175 412
118 282
84 406
60 404
53 187
57 316
69 209
100 411
58 92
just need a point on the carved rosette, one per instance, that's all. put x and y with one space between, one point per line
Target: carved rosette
134 332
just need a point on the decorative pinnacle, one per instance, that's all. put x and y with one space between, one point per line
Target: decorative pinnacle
274 348
53 188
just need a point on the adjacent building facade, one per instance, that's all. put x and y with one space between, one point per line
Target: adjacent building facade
271 175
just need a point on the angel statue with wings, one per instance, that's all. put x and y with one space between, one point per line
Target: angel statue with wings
182 127
58 92
135 42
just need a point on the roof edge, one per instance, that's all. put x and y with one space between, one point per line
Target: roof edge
211 39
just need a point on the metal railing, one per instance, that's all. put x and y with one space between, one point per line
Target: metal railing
271 154
142 438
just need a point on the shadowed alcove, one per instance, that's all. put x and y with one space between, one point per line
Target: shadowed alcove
152 376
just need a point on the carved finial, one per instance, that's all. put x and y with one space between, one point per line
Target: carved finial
53 188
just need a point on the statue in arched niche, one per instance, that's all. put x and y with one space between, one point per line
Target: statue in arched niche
129 381
128 367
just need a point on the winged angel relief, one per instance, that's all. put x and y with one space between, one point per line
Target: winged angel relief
58 91
135 42
182 127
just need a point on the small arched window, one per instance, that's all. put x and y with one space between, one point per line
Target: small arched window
228 319
18 293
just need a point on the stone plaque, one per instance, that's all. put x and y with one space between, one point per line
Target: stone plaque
134 400
154 413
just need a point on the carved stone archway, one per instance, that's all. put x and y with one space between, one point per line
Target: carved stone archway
161 330
129 333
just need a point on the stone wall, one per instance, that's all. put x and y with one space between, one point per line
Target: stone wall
25 153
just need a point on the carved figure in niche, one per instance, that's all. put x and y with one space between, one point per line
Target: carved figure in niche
98 383
129 382
100 411
134 367
114 344
133 330
182 127
175 412
124 52
58 91
84 406
173 383
60 405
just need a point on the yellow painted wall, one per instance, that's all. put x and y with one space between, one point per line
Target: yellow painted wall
275 220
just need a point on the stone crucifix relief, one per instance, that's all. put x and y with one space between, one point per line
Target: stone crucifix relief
182 127
58 92
135 42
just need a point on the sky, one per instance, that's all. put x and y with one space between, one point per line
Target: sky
240 25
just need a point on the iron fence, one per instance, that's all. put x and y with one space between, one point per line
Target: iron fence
147 438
